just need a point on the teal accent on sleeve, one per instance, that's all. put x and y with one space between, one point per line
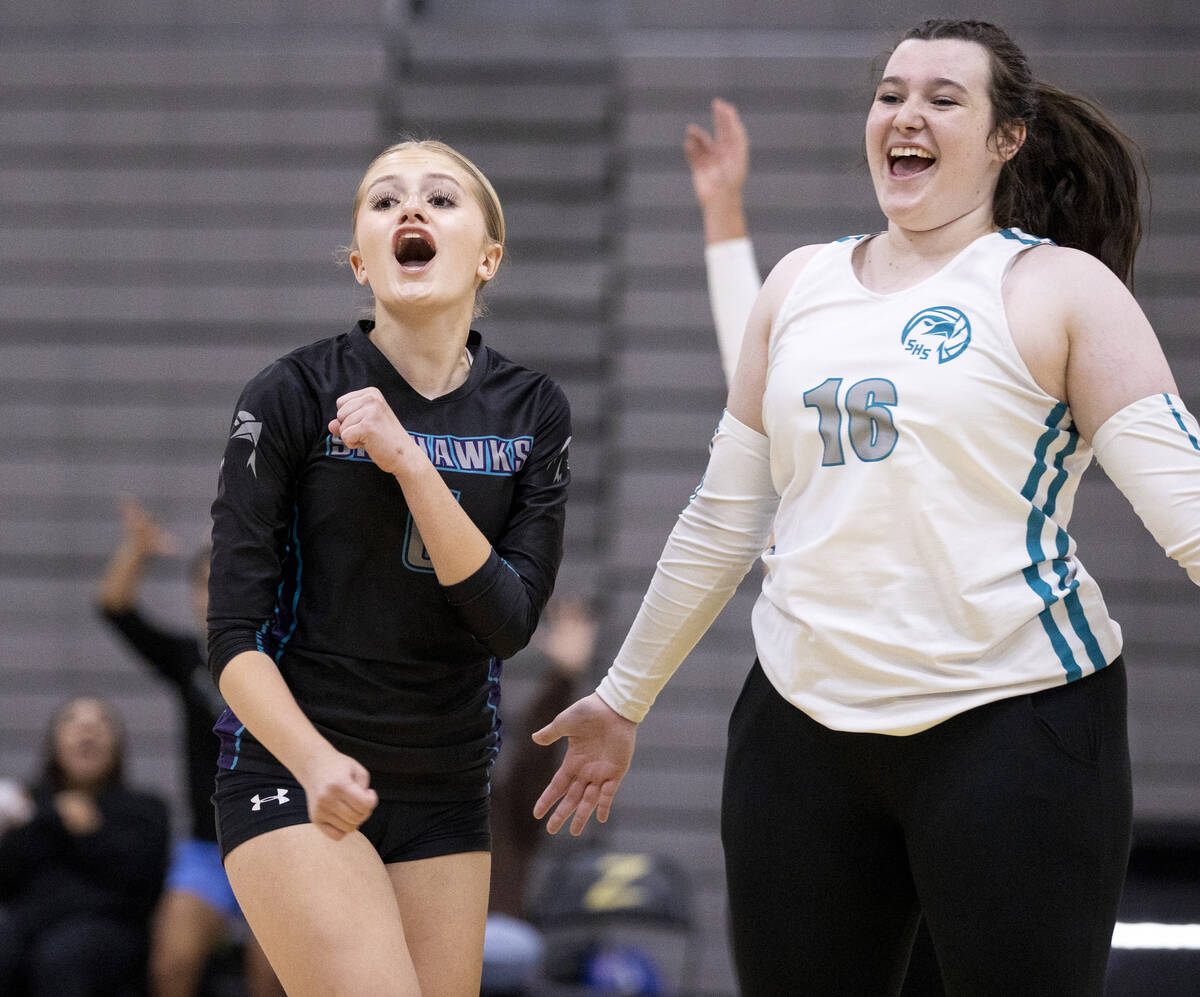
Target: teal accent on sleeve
1024 238
1182 425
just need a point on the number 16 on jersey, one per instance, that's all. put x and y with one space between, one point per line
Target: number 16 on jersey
867 405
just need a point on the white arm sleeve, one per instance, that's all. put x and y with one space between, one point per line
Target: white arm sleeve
1151 451
720 533
733 284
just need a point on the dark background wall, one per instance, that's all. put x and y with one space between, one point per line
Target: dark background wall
176 179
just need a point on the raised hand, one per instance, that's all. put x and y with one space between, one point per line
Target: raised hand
719 161
143 533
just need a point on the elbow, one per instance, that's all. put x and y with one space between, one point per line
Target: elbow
497 607
225 643
512 636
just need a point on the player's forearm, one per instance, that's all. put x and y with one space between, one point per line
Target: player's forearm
118 589
733 286
453 542
720 533
723 219
256 692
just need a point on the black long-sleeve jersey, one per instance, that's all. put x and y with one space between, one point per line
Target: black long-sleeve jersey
318 563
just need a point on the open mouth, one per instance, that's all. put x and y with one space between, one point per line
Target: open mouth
908 161
414 251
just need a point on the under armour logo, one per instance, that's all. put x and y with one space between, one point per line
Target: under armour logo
280 797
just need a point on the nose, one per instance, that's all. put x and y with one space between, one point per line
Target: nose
908 117
413 207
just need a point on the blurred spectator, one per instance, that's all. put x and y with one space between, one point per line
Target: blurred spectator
82 859
198 910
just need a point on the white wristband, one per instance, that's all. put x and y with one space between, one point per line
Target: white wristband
1151 451
717 538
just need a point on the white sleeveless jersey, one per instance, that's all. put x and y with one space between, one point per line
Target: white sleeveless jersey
922 564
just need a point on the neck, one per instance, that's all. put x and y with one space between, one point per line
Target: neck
945 240
902 257
428 351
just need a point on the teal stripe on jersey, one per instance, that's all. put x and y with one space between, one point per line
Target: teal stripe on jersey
1179 419
1079 621
1067 585
1033 533
1025 238
237 746
295 543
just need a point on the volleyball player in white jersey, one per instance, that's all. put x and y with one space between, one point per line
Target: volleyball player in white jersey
719 163
936 720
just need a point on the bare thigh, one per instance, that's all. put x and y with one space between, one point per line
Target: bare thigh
324 912
443 905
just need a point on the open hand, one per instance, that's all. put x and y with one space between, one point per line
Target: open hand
600 746
719 161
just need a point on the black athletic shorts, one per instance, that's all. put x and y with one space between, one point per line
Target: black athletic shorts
248 804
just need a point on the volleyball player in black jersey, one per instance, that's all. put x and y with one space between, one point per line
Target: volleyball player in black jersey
387 529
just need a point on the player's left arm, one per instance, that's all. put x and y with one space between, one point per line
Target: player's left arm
456 546
498 590
503 602
1113 356
1125 401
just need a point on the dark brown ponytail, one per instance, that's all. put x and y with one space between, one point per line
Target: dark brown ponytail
1076 178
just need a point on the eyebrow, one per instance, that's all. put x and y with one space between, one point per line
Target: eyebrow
941 81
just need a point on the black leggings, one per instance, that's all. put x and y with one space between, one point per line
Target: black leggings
1007 826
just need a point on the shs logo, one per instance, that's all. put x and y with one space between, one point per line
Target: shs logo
943 332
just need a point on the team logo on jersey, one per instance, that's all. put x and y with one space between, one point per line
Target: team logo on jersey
246 427
493 455
943 332
560 463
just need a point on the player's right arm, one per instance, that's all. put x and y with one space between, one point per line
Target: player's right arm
337 786
719 534
271 435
